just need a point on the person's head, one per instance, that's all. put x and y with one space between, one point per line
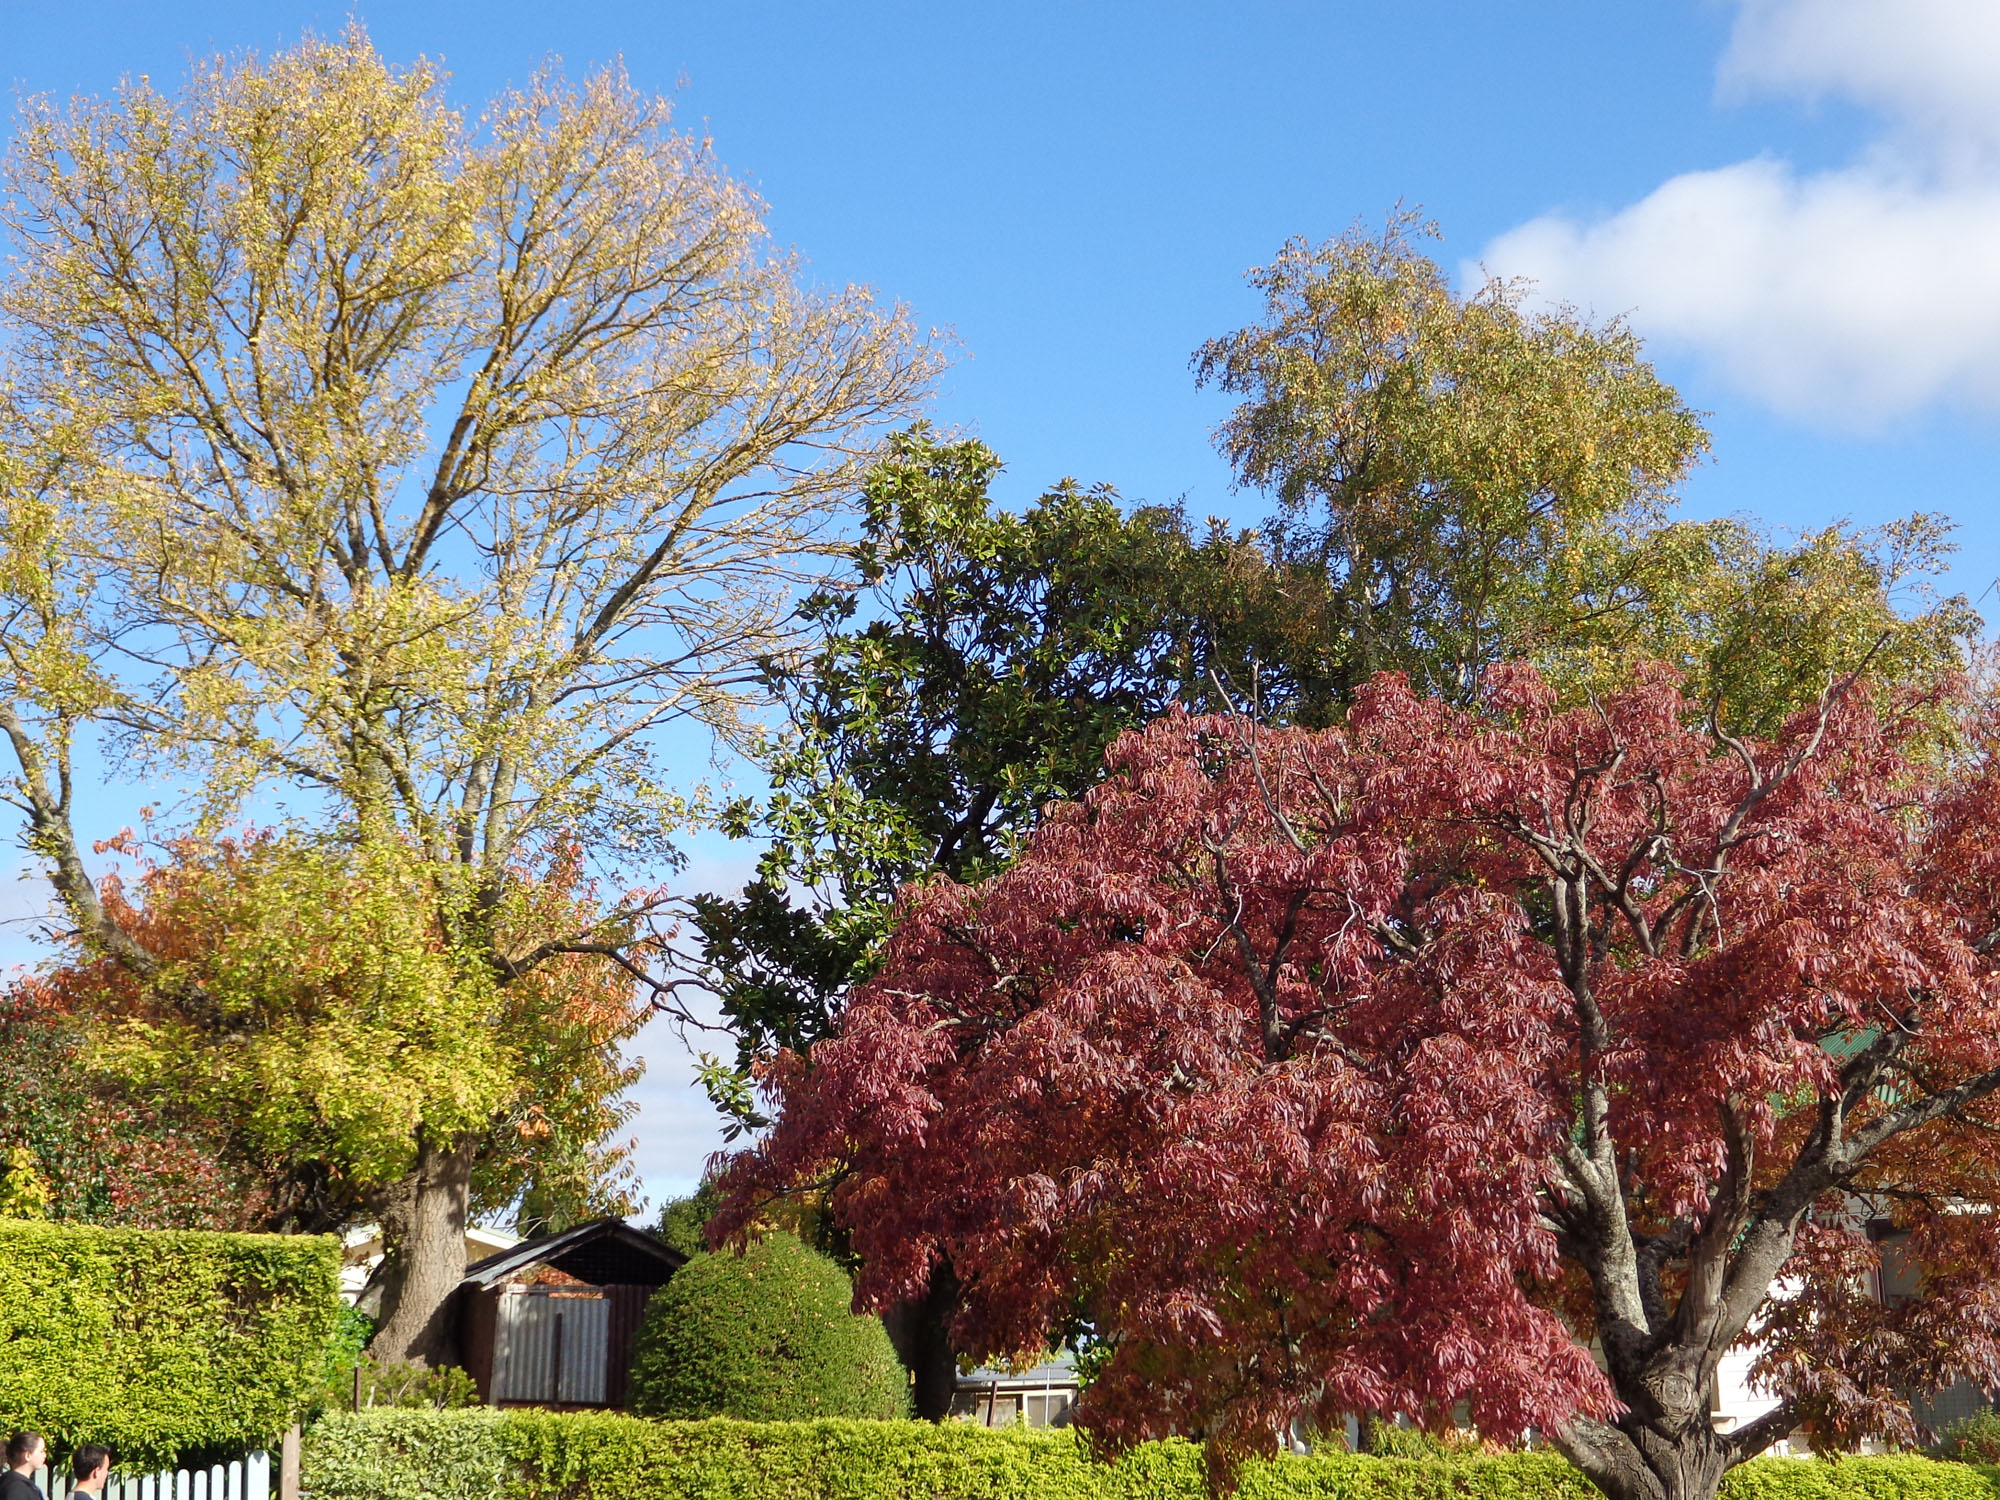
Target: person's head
92 1462
26 1450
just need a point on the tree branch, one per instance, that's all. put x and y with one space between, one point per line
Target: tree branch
51 836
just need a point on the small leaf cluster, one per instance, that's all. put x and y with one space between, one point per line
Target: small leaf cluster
24 1192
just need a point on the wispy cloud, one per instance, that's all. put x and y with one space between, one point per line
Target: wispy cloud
1859 294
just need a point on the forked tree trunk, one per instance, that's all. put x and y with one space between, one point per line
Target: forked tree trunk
1637 1461
921 1333
423 1239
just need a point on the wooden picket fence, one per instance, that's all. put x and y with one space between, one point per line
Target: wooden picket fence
248 1478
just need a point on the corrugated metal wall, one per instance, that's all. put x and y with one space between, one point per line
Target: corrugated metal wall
478 1313
628 1311
551 1344
1954 1405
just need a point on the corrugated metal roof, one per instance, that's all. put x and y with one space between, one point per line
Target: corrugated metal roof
606 1237
1060 1371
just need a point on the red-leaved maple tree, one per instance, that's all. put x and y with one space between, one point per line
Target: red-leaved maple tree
1385 1068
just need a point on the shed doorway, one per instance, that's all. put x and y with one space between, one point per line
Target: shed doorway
550 1345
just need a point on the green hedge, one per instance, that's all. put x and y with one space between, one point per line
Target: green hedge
536 1455
409 1453
164 1345
1898 1478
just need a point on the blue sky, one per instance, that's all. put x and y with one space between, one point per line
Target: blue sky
1797 202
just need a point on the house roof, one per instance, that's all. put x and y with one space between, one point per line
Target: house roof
606 1252
362 1246
1058 1372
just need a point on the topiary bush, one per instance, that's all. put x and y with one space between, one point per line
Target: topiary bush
764 1336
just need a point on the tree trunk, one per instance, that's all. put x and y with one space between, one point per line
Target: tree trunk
423 1239
1635 1461
920 1330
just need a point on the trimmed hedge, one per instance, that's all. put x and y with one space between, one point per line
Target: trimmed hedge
764 1335
1899 1477
537 1455
410 1453
163 1345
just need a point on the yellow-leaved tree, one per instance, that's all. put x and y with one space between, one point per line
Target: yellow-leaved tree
1442 458
1479 479
427 462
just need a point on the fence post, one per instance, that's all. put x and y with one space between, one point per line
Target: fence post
288 1464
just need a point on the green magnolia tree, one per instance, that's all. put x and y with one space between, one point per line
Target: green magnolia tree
978 669
427 465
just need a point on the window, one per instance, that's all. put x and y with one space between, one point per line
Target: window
1048 1409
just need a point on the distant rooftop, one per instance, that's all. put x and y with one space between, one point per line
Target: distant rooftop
1058 1370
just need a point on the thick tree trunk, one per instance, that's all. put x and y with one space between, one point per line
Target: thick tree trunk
423 1235
1636 1461
921 1333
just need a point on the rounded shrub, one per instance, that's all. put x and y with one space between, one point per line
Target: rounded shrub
764 1336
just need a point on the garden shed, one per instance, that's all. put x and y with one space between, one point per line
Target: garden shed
552 1321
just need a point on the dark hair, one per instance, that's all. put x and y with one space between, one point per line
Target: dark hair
88 1457
20 1445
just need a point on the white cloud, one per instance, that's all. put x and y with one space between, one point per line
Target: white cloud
1929 67
1858 294
676 1129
